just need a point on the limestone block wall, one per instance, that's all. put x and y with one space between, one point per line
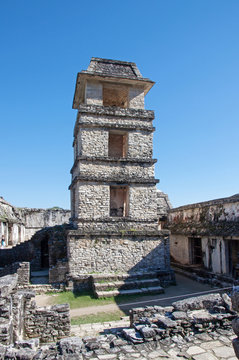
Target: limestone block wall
114 118
121 122
93 142
22 269
225 209
20 318
115 224
109 254
121 170
142 198
36 219
7 286
136 98
140 145
94 200
48 323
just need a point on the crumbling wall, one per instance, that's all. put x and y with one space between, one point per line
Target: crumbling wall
220 216
216 226
20 318
37 219
156 332
22 269
48 323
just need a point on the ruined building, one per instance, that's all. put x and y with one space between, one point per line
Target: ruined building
113 188
115 206
206 235
20 224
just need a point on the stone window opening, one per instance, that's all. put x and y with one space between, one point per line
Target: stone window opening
119 201
115 95
118 144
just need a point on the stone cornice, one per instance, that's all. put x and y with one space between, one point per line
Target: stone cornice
114 180
221 201
123 233
114 113
117 112
116 161
122 127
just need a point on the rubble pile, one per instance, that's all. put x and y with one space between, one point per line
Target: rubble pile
154 330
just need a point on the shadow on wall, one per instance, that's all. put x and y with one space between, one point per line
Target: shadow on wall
42 250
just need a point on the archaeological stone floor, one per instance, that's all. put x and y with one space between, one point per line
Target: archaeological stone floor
213 346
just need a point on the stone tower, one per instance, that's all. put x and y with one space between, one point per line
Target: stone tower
113 189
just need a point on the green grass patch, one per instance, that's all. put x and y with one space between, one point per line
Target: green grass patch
80 300
97 318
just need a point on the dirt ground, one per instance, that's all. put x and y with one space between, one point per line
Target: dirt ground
185 286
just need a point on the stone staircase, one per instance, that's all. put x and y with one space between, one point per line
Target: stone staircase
40 277
108 285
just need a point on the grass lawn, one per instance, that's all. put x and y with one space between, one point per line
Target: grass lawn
87 299
97 318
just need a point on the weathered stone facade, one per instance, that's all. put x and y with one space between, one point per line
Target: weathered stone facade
207 234
20 224
113 189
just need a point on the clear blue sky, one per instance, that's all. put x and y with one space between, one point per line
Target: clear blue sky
189 48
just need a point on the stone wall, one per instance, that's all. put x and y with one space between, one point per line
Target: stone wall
127 168
95 202
215 225
220 213
156 332
136 98
94 142
20 224
37 219
94 95
21 269
47 323
111 253
140 145
54 238
20 318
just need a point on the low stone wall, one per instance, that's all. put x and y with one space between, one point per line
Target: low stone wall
198 314
22 269
20 318
47 323
154 330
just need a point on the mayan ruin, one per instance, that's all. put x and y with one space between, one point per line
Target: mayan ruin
117 240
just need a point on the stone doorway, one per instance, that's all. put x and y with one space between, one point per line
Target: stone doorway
233 258
196 251
44 253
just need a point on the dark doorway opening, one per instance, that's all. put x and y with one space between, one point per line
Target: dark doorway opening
119 201
196 251
233 258
44 254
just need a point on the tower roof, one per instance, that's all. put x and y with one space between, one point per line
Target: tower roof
113 68
123 72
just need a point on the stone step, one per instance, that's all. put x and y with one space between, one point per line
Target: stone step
124 285
142 291
124 276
